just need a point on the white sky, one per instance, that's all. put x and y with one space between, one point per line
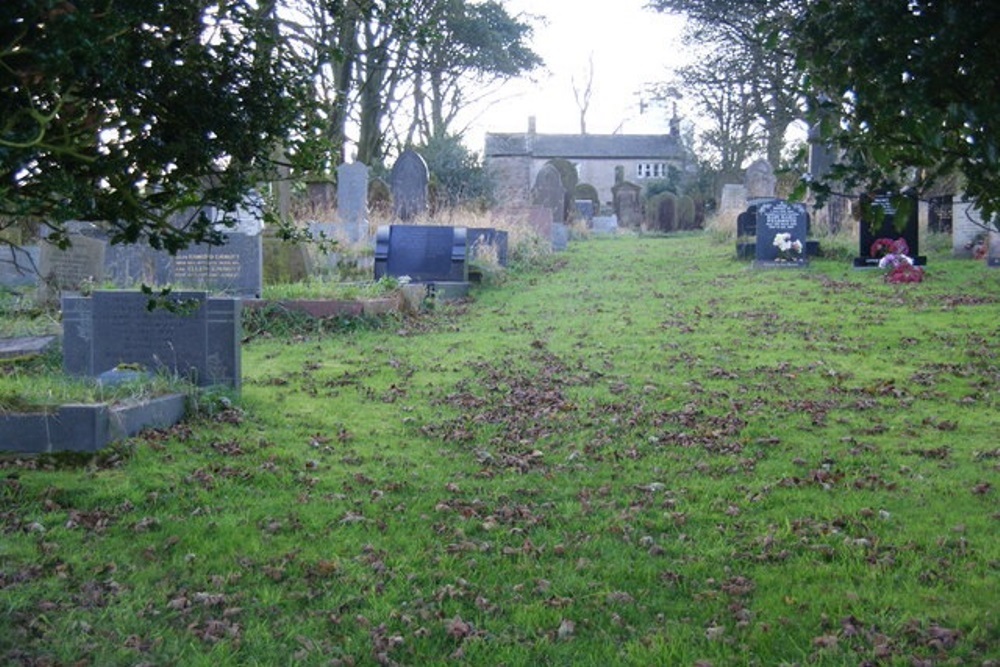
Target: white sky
631 46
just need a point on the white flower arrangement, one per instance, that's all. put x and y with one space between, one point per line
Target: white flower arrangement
789 249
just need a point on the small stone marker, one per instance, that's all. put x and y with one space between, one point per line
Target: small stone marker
560 236
889 228
409 185
781 234
200 342
425 253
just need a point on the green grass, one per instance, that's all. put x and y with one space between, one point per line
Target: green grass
321 288
646 453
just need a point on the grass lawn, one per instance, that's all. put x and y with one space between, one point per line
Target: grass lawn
646 454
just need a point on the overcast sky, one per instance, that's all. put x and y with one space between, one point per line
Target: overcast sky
631 46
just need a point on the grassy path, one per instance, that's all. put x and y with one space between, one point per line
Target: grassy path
648 455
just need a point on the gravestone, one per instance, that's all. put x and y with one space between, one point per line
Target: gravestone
539 218
352 200
70 269
319 194
487 240
425 253
760 181
25 346
200 342
585 209
746 231
560 236
890 228
605 224
733 198
550 193
993 254
19 266
939 210
235 267
627 201
781 231
409 186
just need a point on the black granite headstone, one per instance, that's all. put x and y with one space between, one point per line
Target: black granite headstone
425 253
888 228
200 341
781 234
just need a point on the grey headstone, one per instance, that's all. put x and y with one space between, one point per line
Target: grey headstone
19 266
539 218
320 195
734 197
993 256
585 209
560 236
352 199
549 192
234 268
781 217
628 204
425 253
760 181
200 342
409 186
890 228
69 269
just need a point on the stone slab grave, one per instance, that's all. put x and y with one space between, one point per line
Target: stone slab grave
993 255
25 346
781 231
890 228
19 265
87 427
200 342
408 181
425 253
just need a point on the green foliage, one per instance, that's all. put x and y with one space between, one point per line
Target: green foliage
132 113
661 212
902 92
686 218
457 172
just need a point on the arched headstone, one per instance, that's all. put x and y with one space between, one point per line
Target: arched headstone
409 185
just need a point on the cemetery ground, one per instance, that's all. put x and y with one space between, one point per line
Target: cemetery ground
644 453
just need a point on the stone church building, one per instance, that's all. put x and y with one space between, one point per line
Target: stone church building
514 159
